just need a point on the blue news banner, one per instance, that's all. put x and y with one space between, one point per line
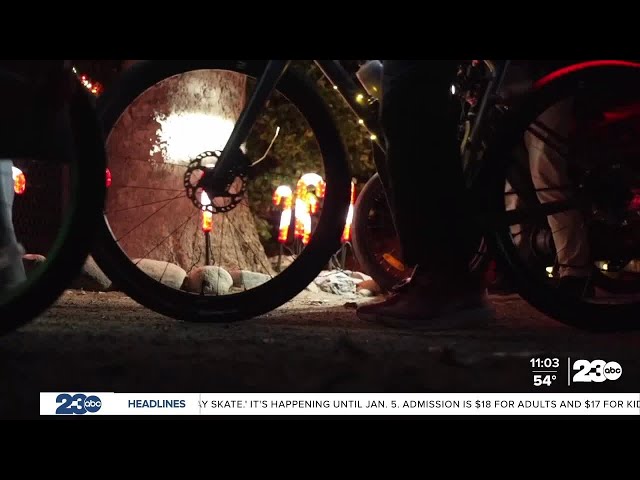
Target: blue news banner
73 404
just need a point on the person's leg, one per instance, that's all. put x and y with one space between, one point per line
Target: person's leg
420 120
500 283
549 175
11 266
420 124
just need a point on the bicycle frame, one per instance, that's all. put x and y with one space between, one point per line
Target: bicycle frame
498 73
360 102
365 107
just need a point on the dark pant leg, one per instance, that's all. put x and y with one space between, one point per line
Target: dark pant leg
420 120
7 234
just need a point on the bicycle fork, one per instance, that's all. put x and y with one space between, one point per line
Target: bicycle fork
217 180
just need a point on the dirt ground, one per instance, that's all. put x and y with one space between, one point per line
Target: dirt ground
106 342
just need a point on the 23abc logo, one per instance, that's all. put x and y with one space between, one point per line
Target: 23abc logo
596 371
77 404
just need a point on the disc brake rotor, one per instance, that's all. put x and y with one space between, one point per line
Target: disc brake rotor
221 201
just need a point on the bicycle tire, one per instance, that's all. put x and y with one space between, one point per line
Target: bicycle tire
388 276
75 238
385 276
324 243
603 281
567 310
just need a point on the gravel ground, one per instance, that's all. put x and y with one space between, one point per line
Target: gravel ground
315 343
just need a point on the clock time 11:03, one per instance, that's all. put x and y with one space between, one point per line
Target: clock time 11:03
545 362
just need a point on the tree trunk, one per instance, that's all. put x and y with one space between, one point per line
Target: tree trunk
149 150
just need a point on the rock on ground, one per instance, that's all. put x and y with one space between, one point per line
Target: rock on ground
209 280
91 278
167 273
32 260
365 292
360 276
312 287
369 288
247 279
286 260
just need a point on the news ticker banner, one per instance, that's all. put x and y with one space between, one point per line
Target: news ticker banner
112 403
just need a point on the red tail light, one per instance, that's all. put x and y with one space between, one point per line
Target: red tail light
108 178
634 204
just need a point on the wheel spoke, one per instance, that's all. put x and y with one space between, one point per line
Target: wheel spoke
220 257
256 256
549 137
169 235
147 188
147 218
521 215
107 212
235 248
543 189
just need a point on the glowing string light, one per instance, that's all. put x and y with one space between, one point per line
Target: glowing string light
94 87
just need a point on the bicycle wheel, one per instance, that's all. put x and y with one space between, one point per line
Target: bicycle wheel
597 198
78 183
153 243
375 242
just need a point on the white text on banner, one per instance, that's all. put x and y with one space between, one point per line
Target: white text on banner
470 404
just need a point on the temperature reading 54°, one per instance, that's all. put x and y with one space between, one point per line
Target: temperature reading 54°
539 380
